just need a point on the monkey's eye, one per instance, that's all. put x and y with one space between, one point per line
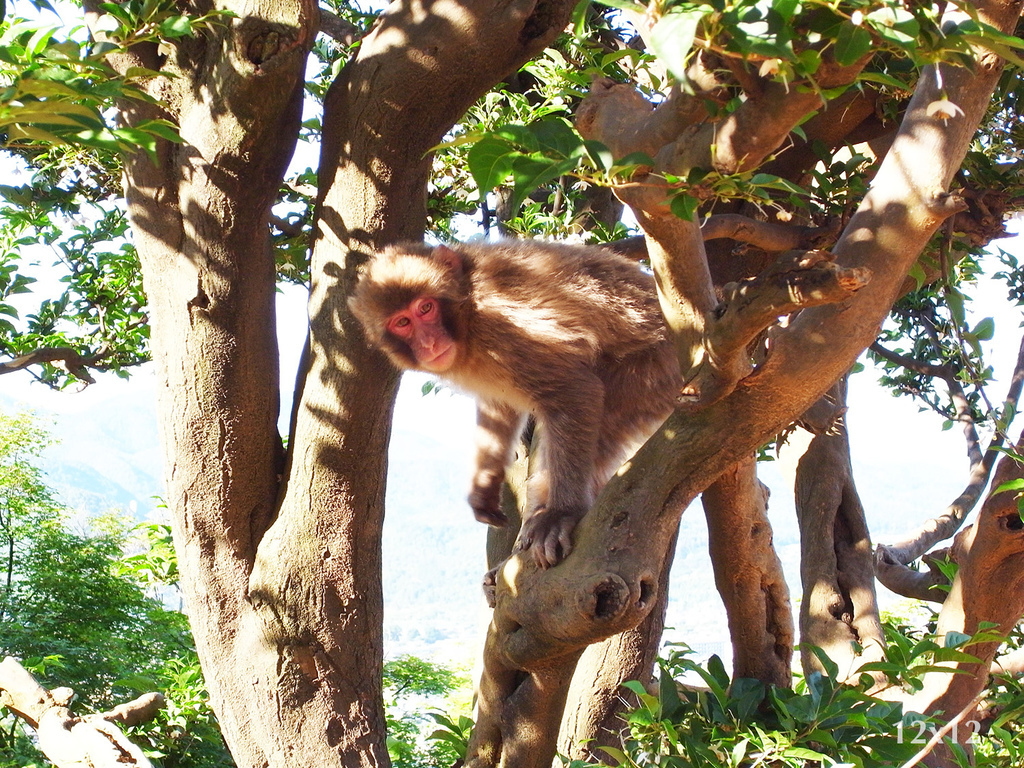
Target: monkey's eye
423 307
400 325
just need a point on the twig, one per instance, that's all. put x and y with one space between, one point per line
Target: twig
940 734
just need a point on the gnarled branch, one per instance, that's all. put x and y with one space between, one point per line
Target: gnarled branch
798 280
70 741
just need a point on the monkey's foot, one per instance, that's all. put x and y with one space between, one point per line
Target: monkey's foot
547 534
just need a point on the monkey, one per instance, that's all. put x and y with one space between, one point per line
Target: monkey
570 334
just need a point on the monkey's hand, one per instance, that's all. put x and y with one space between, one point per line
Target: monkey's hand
548 535
485 499
490 585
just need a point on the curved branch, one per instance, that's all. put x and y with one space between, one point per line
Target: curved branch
798 280
931 585
767 235
912 364
945 525
73 361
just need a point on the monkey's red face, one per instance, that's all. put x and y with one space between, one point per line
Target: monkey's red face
420 326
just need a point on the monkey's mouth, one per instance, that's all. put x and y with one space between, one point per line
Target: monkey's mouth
440 361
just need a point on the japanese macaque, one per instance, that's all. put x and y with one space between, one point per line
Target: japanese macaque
570 334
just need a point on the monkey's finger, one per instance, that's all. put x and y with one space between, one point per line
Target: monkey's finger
565 542
551 544
493 517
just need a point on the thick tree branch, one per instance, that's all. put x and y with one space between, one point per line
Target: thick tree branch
767 235
931 585
798 280
745 138
626 122
69 741
620 117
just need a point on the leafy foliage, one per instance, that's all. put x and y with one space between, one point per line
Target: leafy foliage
57 87
98 314
411 684
784 41
698 718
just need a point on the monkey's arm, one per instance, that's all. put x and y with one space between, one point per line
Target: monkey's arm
498 426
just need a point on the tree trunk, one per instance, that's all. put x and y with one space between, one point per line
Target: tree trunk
749 575
200 223
288 624
839 611
988 590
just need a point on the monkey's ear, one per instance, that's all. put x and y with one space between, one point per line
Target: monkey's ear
445 256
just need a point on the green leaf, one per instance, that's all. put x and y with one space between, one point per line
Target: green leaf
852 43
955 639
985 329
490 161
955 302
786 8
1010 485
684 205
519 135
176 26
556 135
672 38
599 155
530 172
623 5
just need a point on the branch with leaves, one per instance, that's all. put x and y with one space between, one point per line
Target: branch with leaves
892 561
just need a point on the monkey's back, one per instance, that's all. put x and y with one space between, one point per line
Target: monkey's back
575 312
590 300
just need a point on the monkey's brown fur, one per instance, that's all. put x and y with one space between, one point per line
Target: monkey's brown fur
570 334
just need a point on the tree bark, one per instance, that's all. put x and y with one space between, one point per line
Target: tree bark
199 217
839 610
288 624
749 575
596 698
